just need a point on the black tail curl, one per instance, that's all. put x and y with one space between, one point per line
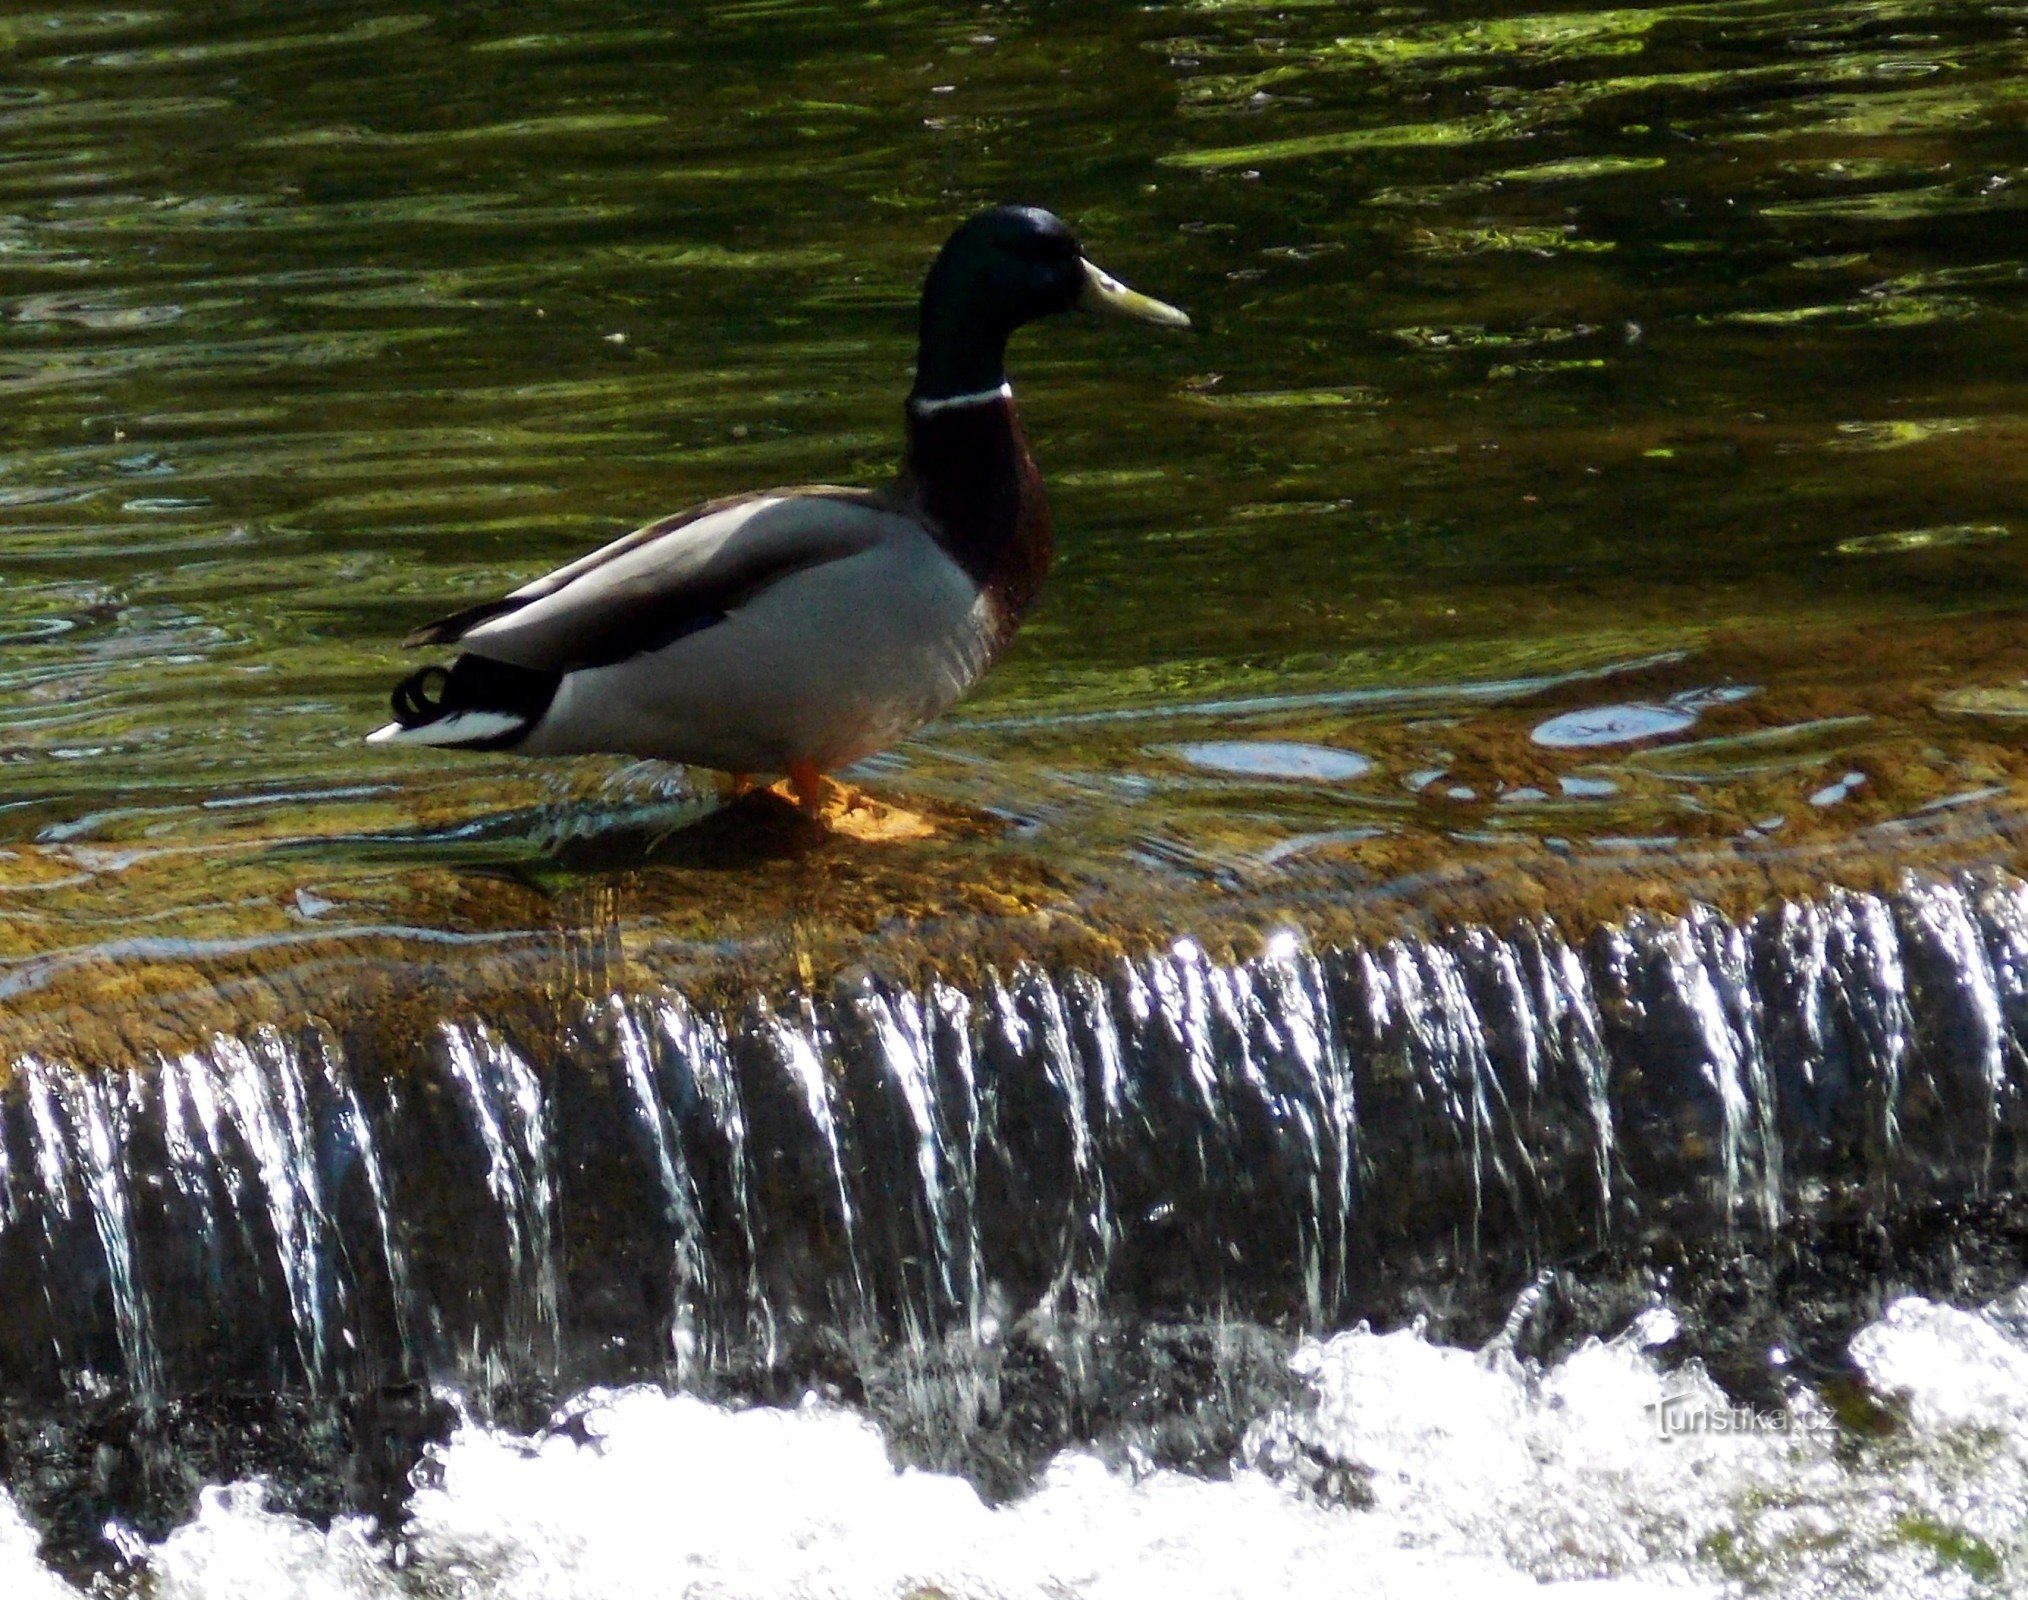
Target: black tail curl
475 683
414 704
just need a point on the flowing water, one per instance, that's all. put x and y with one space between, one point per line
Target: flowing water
1502 828
1117 1216
1605 427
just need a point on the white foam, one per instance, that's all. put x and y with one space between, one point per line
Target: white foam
1951 1368
1564 1473
236 1549
669 1496
1486 1476
22 1576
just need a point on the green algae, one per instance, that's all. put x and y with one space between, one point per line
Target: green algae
1954 1547
1576 168
1401 135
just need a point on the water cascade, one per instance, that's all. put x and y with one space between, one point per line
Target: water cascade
1299 1140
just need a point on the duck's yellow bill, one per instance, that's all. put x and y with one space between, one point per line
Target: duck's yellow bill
1104 292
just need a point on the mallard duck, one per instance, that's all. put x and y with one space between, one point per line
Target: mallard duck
796 630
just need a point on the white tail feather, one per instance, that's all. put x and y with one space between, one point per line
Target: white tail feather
461 727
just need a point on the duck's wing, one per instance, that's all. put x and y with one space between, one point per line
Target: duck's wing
670 578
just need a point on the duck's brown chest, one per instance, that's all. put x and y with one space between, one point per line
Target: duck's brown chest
968 470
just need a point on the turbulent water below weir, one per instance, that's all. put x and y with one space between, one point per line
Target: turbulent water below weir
1090 1211
1403 1468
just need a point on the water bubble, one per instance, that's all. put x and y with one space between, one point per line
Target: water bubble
1832 793
1622 724
1274 758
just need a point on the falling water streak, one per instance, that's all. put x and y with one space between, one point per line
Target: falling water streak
1546 1077
81 1121
1097 1032
1085 1261
51 1169
1500 961
2003 927
1567 1011
1874 980
684 1212
358 1131
1176 985
1876 976
1805 945
1722 999
1507 959
190 1142
800 1055
2002 921
1447 1020
1300 1017
194 1123
947 1021
1030 1018
902 1045
10 1204
1413 993
249 1121
1943 914
508 1113
96 1108
1722 1052
1247 1067
265 1097
1839 984
699 1047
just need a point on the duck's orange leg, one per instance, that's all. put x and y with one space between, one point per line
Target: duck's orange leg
742 783
808 783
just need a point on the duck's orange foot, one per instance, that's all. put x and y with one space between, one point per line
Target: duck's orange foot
859 815
808 783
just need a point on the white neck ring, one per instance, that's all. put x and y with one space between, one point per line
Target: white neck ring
957 402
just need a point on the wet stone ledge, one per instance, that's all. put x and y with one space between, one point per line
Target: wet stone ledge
1300 1139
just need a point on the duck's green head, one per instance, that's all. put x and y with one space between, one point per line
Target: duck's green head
1002 268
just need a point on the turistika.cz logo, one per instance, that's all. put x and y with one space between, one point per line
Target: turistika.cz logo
1687 1414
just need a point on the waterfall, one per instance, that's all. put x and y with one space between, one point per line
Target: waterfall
1301 1138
